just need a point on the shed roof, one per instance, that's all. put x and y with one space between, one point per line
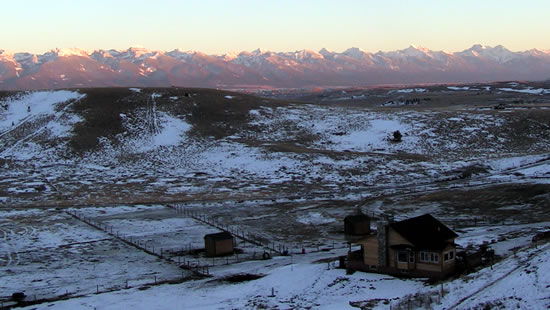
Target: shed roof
219 236
425 232
358 218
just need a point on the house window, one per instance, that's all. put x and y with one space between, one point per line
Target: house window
411 257
402 256
449 255
429 257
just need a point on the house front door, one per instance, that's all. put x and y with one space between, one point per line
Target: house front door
405 259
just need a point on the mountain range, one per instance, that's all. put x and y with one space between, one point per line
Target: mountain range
140 67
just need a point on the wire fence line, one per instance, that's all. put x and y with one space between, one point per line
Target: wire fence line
237 232
200 265
6 302
458 181
270 247
183 262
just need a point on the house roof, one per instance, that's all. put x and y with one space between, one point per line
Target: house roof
356 218
425 232
219 236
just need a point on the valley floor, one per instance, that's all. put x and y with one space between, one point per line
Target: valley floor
126 277
104 214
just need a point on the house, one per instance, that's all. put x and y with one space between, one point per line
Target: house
356 225
417 247
218 244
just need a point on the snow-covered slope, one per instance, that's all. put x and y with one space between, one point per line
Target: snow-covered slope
137 66
310 281
285 172
112 140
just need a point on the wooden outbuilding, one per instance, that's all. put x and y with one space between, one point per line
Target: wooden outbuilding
357 225
218 244
418 247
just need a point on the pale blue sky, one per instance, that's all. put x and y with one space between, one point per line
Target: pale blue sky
217 27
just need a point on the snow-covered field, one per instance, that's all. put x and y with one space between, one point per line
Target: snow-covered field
56 263
288 174
47 253
296 149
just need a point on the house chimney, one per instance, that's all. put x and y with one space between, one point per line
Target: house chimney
382 236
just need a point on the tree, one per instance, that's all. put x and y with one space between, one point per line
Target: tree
397 136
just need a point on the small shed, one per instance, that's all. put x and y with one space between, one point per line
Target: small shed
357 225
218 244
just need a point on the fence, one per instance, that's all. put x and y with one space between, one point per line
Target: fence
199 265
244 235
142 245
6 302
273 248
435 184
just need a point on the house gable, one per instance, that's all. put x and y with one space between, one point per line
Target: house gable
395 238
425 232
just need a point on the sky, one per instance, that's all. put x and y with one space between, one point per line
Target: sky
222 26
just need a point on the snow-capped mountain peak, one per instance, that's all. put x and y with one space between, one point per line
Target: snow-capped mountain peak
229 56
354 52
498 53
414 51
260 51
66 52
138 66
181 54
139 53
25 57
478 47
325 52
307 55
6 55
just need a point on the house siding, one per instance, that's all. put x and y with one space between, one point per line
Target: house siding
379 254
395 238
370 250
369 246
431 267
224 247
218 247
449 266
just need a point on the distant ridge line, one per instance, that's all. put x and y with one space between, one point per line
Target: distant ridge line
140 67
